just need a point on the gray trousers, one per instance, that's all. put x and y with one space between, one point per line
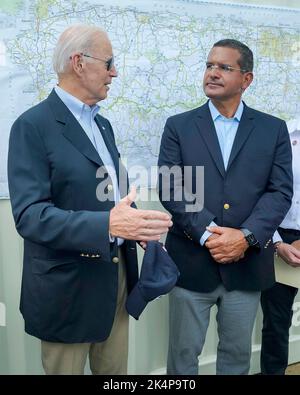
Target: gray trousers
189 319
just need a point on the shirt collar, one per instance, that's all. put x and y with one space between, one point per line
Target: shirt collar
216 114
293 125
76 106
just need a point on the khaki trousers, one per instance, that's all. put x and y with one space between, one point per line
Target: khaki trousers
107 357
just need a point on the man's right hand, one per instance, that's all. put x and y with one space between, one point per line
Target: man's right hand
215 236
229 247
132 224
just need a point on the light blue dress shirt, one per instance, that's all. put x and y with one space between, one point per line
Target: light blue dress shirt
226 129
85 115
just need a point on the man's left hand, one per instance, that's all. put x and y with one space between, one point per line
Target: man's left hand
229 247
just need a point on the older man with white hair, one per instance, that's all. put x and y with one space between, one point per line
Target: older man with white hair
70 205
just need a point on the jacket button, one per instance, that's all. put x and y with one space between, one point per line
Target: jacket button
115 259
226 206
109 187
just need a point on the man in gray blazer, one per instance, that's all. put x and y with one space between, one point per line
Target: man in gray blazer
69 199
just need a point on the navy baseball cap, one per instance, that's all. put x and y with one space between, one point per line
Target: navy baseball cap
159 274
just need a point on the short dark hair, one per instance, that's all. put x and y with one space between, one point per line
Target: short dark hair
246 59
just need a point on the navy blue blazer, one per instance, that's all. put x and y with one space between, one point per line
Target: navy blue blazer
256 190
70 281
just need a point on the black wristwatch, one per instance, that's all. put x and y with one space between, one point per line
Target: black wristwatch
250 238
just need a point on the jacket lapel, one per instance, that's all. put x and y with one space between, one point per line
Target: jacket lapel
245 128
207 130
72 130
109 143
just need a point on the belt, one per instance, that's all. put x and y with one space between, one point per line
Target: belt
294 232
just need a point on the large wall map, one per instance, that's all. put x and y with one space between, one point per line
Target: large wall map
160 47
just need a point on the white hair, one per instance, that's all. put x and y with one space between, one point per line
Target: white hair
76 38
